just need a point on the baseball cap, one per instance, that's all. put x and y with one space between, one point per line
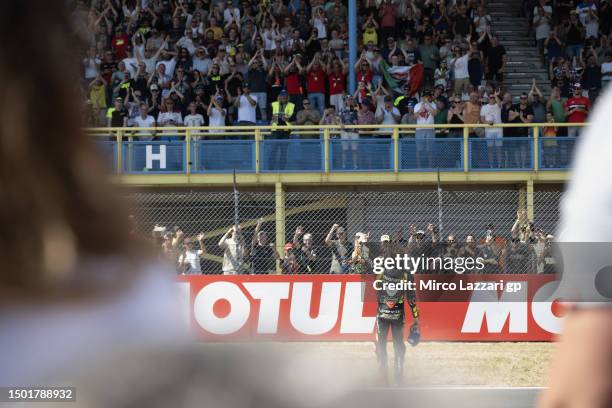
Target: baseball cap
420 232
288 246
283 92
154 87
219 98
385 238
245 85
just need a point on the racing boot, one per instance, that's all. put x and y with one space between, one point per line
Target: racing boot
398 370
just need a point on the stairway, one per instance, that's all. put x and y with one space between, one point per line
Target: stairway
523 60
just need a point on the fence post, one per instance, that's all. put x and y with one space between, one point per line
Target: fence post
119 137
326 150
466 149
188 151
536 148
530 212
279 198
257 150
396 149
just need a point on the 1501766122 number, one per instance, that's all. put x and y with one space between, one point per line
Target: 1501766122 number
34 394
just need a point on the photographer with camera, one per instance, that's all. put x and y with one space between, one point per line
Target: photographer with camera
232 244
341 249
263 254
189 260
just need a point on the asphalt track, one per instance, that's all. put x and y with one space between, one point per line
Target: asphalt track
455 397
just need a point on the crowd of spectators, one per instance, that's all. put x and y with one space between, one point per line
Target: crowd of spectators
526 249
162 63
572 37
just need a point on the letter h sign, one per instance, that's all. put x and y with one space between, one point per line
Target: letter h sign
161 157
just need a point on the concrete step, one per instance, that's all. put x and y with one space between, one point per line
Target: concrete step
516 43
527 74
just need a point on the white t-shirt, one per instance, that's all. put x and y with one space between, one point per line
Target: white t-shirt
149 121
482 22
170 64
425 117
542 27
388 118
132 65
196 120
461 67
91 67
164 117
247 112
232 257
193 259
491 113
202 65
216 118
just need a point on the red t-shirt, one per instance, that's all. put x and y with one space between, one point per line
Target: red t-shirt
364 77
336 83
577 102
120 43
315 81
293 84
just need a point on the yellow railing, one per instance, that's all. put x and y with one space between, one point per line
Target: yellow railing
324 133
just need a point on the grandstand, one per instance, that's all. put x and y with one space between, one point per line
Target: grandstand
374 115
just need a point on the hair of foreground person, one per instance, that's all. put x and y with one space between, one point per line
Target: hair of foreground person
56 207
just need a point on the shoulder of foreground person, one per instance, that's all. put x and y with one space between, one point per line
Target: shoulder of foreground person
39 340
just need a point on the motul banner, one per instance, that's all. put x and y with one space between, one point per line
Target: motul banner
342 308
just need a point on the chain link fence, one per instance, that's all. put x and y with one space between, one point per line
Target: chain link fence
171 216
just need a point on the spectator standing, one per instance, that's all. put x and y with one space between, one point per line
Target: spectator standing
341 250
246 103
574 37
425 112
471 113
263 254
496 61
194 119
387 13
216 113
257 77
541 22
576 109
336 77
293 73
169 116
430 55
144 120
315 84
482 20
489 255
117 116
591 77
283 114
306 255
491 114
349 116
232 245
387 114
189 260
536 102
460 71
454 116
307 116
